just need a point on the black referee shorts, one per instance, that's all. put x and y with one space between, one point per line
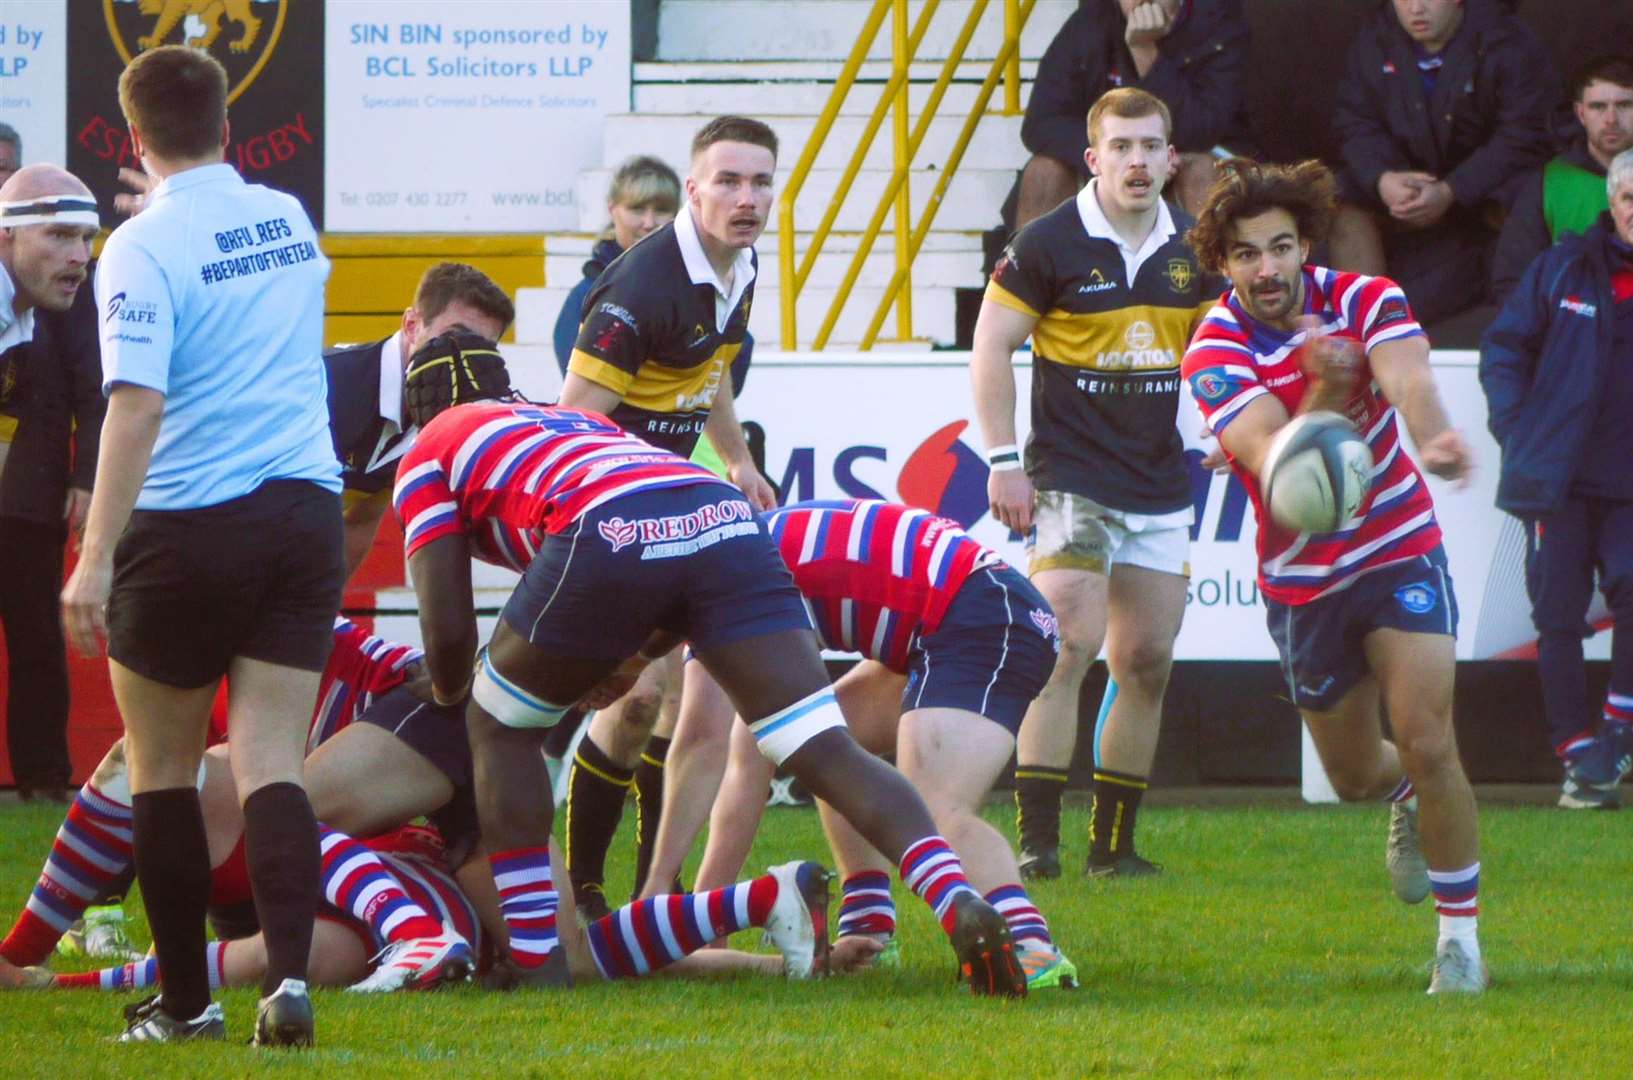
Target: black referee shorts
258 577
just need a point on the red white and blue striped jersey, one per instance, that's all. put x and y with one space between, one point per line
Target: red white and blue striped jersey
508 474
361 667
874 574
1234 358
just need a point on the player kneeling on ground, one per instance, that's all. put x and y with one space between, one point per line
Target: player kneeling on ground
625 550
917 597
1363 617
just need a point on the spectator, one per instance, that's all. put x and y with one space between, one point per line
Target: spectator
1568 194
11 151
1190 53
1443 106
55 420
1557 368
643 198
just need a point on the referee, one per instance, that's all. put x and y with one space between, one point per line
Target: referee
213 546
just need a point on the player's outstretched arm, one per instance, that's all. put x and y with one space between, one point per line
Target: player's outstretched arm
999 331
577 392
441 574
1247 439
1403 373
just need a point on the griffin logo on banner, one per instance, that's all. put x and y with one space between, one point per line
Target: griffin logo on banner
239 33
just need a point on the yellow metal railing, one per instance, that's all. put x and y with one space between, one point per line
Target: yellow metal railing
905 144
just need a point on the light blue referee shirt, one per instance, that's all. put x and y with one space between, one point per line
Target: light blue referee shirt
213 296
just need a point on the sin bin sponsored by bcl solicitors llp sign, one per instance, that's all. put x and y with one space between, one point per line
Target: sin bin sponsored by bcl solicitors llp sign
473 116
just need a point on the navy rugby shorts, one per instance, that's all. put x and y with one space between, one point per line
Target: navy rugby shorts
694 561
992 652
1321 643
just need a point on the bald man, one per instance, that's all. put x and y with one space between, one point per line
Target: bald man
50 399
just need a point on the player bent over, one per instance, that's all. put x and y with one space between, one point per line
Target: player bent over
625 549
1364 617
916 595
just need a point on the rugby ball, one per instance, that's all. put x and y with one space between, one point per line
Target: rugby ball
1317 473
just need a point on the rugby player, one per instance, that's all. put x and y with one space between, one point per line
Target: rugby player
369 685
661 328
1364 618
366 390
216 454
913 593
1109 292
625 550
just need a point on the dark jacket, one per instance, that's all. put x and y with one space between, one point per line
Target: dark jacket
1525 232
1198 75
1544 362
572 310
59 414
1488 121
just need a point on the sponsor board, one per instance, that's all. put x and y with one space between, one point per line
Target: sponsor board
499 106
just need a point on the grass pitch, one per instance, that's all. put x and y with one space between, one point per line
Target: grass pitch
1271 947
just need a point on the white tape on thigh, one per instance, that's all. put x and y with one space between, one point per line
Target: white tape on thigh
510 704
782 733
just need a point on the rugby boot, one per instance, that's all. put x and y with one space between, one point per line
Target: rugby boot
506 976
986 950
146 1021
1403 858
419 964
1047 968
1590 779
798 923
1457 972
284 1017
1040 865
1120 866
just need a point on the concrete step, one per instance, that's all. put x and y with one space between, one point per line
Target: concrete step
788 97
933 320
970 205
935 266
827 29
758 72
996 143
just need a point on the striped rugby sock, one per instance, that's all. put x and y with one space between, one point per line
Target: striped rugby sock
865 906
92 848
357 882
932 870
1024 919
527 897
140 974
1402 792
642 937
1457 894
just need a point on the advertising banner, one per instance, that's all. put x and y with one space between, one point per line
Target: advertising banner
881 426
273 53
468 117
33 71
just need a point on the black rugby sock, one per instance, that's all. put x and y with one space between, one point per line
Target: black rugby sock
173 866
1111 816
648 804
285 874
1038 789
596 789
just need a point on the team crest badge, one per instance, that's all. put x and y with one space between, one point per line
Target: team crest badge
1179 274
239 33
1417 598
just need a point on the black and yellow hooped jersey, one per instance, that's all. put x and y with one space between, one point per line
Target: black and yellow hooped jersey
649 333
1105 359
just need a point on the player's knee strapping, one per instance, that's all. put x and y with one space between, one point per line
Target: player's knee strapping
510 704
785 731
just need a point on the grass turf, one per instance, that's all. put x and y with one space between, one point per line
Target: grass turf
1271 947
